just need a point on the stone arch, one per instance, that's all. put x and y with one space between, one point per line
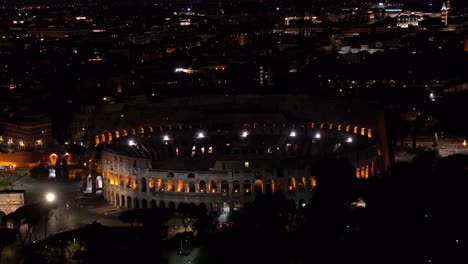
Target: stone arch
235 187
190 175
128 181
212 186
172 206
201 186
160 184
117 134
270 186
151 184
136 203
247 186
292 184
170 175
144 204
117 200
96 140
143 184
281 187
191 186
129 202
109 138
170 185
302 183
122 200
162 204
312 183
135 183
103 138
153 204
224 186
258 185
99 182
180 186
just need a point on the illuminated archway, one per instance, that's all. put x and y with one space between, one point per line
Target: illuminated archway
224 187
212 187
109 137
170 185
180 186
160 184
292 184
128 181
151 184
301 185
258 185
369 133
281 187
236 187
247 186
135 183
96 140
202 186
312 183
191 186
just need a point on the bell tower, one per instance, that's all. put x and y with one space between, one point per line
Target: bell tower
444 12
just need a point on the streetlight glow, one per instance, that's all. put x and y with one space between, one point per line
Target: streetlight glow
244 134
292 134
201 135
50 197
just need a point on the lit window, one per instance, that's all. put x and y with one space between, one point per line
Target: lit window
246 164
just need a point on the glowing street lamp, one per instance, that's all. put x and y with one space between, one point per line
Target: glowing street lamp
50 197
244 134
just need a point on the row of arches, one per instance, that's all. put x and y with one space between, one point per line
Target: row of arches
129 202
257 186
108 137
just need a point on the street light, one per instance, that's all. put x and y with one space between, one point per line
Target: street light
50 197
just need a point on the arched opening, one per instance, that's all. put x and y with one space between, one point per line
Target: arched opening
128 182
201 186
191 186
270 186
103 138
143 184
247 186
170 175
109 137
301 185
172 206
122 180
170 185
312 183
236 187
191 176
281 188
124 133
96 140
122 201
135 183
348 128
180 186
292 184
144 204
136 203
258 186
129 202
160 184
89 183
133 131
224 187
363 131
339 127
355 130
153 204
358 173
117 134
98 182
151 184
162 204
369 133
212 187
117 200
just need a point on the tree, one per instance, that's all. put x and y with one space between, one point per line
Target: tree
7 237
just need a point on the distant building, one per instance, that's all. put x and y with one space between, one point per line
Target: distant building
26 132
444 12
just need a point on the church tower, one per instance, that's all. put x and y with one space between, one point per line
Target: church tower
444 12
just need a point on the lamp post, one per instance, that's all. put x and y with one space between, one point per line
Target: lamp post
50 200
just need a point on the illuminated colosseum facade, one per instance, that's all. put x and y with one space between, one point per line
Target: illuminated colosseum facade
223 151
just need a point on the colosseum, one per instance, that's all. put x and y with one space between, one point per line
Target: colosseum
224 150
